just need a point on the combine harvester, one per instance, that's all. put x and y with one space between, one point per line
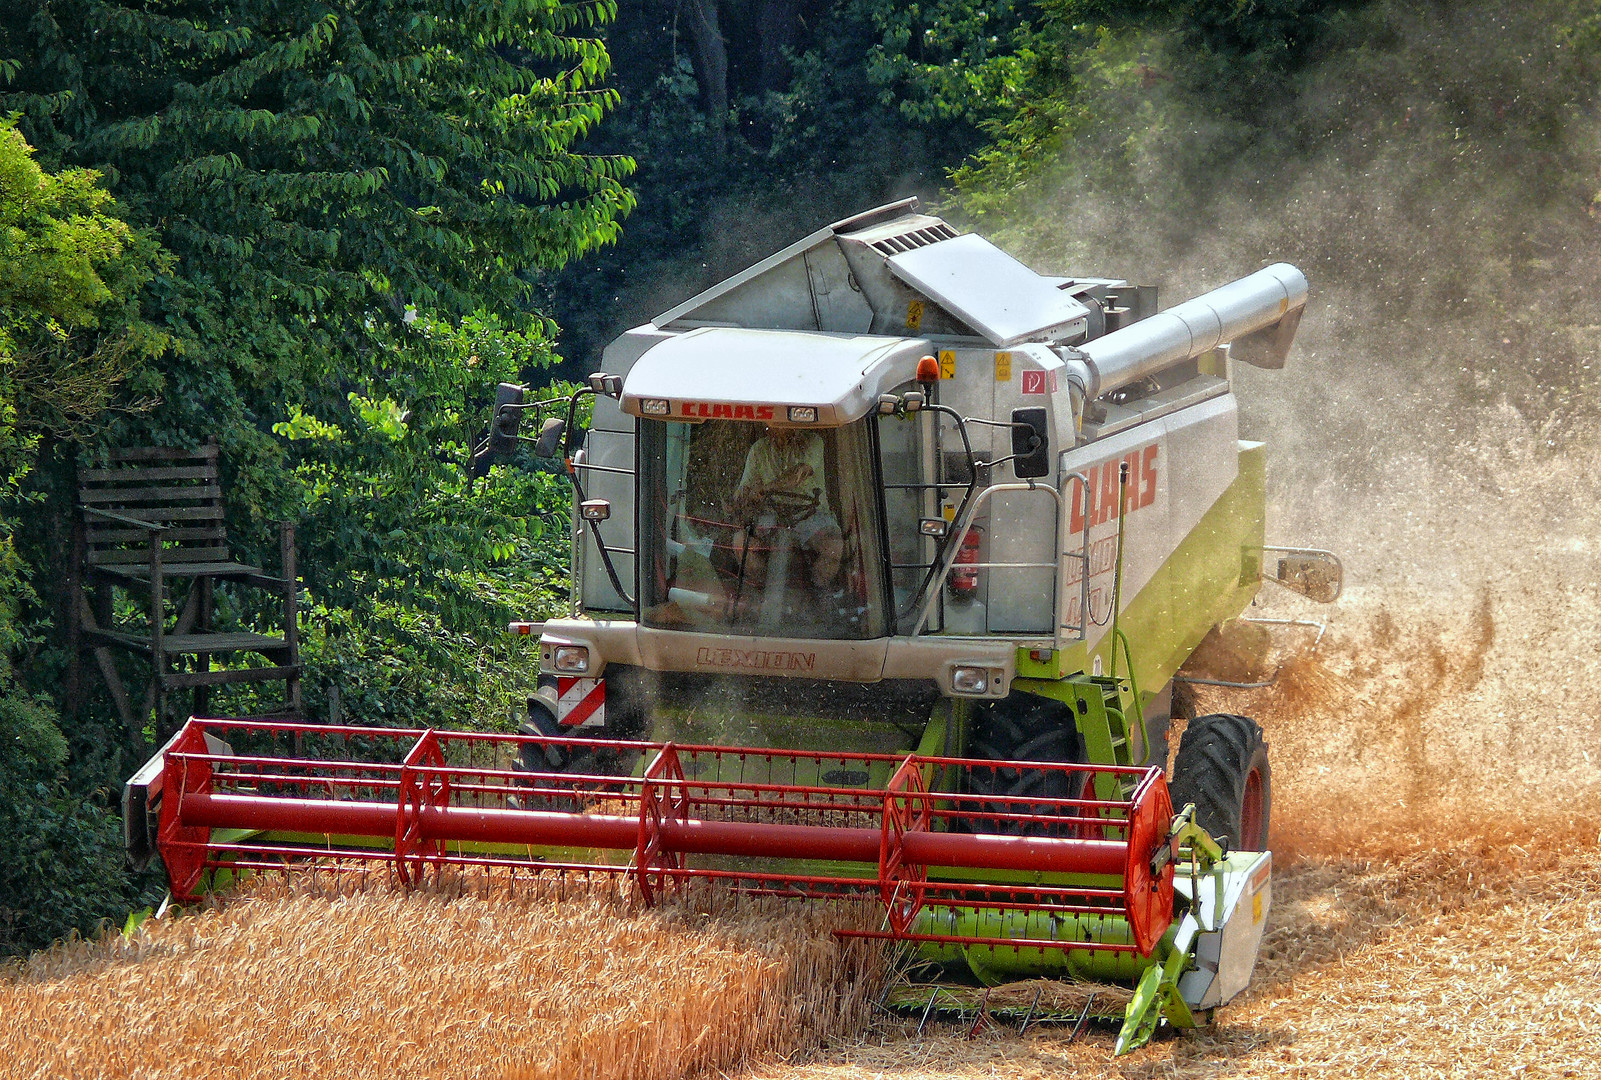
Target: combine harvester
887 551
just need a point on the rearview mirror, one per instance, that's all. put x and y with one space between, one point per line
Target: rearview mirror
550 437
1031 443
501 445
1314 573
504 422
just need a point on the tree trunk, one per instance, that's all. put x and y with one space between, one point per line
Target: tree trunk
710 58
778 24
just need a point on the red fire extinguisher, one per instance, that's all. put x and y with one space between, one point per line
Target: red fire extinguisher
965 582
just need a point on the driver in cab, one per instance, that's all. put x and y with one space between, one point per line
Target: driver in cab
783 487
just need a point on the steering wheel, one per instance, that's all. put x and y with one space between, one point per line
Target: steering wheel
789 508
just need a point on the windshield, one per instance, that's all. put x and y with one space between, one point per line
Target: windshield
747 529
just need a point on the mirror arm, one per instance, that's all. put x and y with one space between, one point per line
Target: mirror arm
1008 457
569 445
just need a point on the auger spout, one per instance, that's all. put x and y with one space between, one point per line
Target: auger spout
1258 315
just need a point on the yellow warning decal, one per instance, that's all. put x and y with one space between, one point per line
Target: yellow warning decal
1003 367
914 315
947 364
1256 908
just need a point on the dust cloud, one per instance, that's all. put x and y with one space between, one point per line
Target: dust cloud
1437 759
1438 423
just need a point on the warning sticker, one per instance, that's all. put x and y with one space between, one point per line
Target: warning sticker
1039 382
1003 367
914 314
947 364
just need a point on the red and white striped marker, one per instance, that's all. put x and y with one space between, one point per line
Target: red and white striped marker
580 702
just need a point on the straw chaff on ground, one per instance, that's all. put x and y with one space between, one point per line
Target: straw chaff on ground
1453 963
310 979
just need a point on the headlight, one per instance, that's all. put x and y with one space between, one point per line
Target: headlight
654 406
572 659
803 414
970 680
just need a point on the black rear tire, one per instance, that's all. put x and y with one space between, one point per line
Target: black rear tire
1025 728
587 761
1222 768
626 718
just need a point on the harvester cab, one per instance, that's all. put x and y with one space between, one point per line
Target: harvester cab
886 553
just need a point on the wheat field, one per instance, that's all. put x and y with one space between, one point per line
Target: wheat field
471 978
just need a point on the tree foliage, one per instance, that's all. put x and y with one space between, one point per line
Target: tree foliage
70 270
318 156
415 569
317 167
354 203
756 123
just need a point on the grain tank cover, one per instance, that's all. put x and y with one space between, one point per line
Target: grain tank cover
771 376
998 297
892 271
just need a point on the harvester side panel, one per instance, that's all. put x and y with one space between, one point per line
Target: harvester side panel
1208 578
610 445
1211 576
1179 466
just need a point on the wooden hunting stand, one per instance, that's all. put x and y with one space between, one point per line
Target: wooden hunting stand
151 520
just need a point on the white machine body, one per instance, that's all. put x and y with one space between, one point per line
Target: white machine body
815 335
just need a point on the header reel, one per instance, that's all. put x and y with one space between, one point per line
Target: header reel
959 875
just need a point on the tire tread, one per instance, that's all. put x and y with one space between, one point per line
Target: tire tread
1214 758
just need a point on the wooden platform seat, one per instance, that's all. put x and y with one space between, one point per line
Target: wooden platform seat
153 526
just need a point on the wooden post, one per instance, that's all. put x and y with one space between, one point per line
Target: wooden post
286 554
158 656
203 626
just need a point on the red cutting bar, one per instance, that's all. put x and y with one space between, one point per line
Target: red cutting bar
749 839
432 789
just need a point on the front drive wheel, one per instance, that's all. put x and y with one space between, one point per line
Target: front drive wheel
1026 728
1222 768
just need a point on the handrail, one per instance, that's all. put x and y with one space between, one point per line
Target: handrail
603 468
959 528
1063 526
1064 530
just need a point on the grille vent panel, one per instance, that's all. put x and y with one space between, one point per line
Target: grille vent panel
916 238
